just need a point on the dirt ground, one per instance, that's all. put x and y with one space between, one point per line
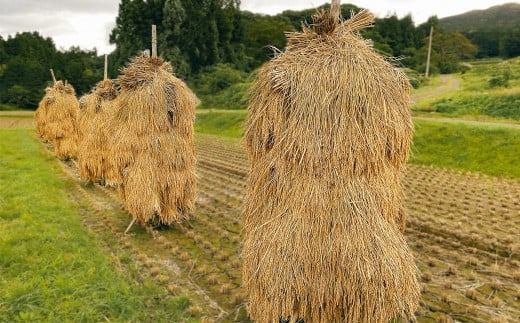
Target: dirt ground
16 122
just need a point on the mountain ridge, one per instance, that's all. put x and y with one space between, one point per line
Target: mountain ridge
504 16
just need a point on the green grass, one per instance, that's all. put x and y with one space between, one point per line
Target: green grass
51 269
477 96
223 123
491 150
8 107
494 105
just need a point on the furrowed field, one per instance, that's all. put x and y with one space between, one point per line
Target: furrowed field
463 203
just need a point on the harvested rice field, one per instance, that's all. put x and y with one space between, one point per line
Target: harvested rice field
19 120
463 229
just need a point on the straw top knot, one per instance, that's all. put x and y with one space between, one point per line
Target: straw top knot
65 88
359 21
326 22
106 89
142 70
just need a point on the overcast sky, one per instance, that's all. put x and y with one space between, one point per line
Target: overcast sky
87 23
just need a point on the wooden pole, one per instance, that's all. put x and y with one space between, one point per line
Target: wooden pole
335 8
130 226
154 41
105 74
53 77
427 72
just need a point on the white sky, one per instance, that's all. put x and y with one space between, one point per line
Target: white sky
87 23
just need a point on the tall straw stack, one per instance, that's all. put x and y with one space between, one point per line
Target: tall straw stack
60 119
95 111
152 142
40 115
328 135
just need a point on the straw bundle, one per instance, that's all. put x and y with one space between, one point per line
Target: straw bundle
61 113
152 147
94 112
328 135
40 115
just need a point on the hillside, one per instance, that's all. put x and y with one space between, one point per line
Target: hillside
504 16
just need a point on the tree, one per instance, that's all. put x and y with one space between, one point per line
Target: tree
448 49
509 43
174 17
3 54
262 33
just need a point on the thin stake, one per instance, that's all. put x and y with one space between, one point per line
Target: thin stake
130 226
427 72
335 8
154 41
53 77
105 75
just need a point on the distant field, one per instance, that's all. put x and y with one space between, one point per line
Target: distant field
490 89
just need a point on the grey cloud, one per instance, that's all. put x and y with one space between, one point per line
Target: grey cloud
13 7
29 22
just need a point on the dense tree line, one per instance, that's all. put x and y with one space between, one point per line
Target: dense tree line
193 34
495 31
197 35
492 43
25 60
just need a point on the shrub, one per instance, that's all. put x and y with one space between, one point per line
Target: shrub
19 95
234 97
446 106
501 79
223 87
217 78
501 106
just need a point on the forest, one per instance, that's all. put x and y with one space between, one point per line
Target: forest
213 44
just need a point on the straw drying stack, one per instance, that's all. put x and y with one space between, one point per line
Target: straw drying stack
328 136
60 114
40 115
95 110
152 147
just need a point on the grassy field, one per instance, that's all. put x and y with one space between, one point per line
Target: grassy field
490 89
51 268
492 150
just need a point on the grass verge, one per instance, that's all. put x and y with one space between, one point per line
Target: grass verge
492 150
51 269
225 123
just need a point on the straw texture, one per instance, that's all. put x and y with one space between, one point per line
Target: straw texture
40 116
152 142
60 108
328 135
95 110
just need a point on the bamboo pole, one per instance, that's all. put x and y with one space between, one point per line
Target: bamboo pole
130 226
105 74
335 8
154 41
427 72
53 77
